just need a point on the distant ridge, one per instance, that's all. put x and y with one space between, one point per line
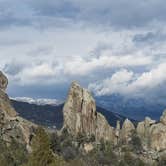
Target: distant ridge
52 115
40 101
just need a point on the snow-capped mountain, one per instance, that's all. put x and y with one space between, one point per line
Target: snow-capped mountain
40 101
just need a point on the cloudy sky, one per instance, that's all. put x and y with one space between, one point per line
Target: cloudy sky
108 46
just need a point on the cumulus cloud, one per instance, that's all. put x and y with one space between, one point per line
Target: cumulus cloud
128 83
107 61
114 84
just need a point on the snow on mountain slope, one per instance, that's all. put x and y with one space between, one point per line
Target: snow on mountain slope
40 101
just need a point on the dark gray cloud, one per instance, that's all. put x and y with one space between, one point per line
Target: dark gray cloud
121 13
55 8
149 38
13 68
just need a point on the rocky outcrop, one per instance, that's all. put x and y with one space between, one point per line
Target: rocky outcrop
158 134
127 129
3 81
80 115
11 125
153 134
163 118
143 128
157 137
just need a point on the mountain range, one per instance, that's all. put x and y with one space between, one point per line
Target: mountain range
51 115
133 108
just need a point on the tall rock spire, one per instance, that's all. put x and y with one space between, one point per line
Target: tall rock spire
80 115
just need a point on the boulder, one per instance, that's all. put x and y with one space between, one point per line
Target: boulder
88 147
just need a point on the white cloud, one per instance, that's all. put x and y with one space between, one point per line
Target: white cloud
149 80
81 66
128 83
115 84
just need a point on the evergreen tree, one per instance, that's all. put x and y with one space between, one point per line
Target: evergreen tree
42 154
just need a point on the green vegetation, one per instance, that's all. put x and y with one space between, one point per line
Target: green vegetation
42 154
14 154
136 142
64 150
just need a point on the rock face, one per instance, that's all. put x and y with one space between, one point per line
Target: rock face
158 134
80 115
11 125
153 134
127 130
3 81
163 118
158 137
143 128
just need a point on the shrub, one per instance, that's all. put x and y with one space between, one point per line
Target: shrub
69 153
13 154
136 142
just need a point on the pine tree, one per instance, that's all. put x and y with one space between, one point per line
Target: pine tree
41 153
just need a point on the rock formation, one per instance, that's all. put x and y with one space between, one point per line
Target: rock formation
153 134
158 134
11 125
3 81
143 127
163 118
127 129
80 115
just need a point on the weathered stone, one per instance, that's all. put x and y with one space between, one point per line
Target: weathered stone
5 105
141 129
88 147
158 137
3 81
127 129
163 118
80 115
144 127
149 122
117 130
11 125
117 133
153 134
